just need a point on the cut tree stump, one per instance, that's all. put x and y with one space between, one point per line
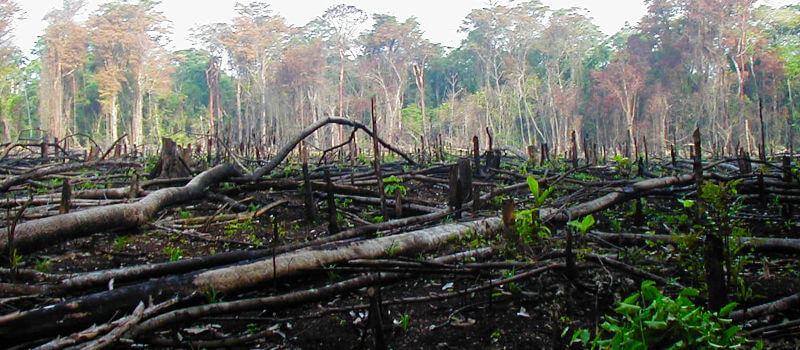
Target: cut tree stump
171 163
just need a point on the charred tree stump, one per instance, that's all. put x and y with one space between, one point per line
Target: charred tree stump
638 215
673 162
786 209
308 191
570 256
531 154
573 152
762 149
460 185
66 194
586 149
493 158
713 252
476 153
545 154
45 149
171 163
333 224
376 315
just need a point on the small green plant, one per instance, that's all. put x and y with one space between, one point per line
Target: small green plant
393 185
254 239
15 258
392 249
404 322
495 336
624 165
212 295
343 202
253 328
538 195
173 253
289 170
121 242
513 287
377 219
583 225
43 265
497 201
88 185
235 227
526 221
651 320
150 163
332 274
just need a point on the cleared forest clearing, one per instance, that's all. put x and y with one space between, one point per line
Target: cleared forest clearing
438 248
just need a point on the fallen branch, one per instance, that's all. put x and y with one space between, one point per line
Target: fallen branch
117 327
622 194
772 307
784 245
286 149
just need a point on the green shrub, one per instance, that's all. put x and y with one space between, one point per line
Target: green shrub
650 320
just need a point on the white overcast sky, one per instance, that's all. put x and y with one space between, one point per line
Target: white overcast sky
439 19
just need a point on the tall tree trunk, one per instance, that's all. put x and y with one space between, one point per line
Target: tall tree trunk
341 92
419 76
113 120
136 116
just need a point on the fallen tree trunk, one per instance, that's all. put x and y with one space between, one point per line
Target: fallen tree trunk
780 245
195 312
241 276
59 284
37 233
628 192
72 315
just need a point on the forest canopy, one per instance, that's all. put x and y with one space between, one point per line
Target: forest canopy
528 73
